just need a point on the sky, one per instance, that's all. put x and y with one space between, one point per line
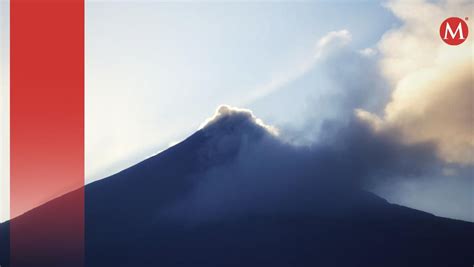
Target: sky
156 70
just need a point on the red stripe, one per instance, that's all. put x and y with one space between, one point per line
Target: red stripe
47 131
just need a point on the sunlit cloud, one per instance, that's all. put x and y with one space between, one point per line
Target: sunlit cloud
227 112
433 82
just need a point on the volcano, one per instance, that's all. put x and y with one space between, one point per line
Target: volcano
231 194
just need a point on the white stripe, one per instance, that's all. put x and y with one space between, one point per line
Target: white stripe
4 110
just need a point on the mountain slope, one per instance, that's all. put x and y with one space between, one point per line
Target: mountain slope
193 205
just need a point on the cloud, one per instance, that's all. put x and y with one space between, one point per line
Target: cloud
433 82
332 41
343 79
431 102
234 115
368 52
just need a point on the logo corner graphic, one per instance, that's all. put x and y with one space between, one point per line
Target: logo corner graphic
454 30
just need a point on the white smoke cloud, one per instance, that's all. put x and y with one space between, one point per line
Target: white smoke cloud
332 41
224 112
432 100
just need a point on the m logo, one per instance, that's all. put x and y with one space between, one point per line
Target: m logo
453 31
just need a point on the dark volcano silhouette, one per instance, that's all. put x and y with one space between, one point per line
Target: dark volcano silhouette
164 211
